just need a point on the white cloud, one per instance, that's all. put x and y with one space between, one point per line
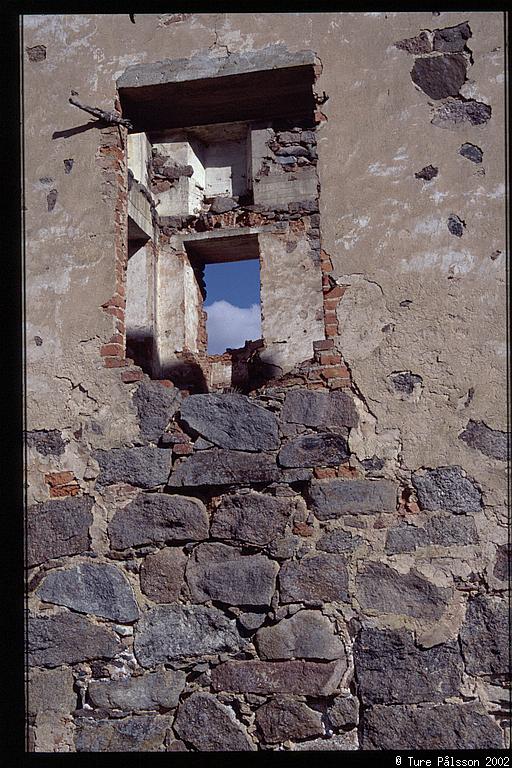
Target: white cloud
230 326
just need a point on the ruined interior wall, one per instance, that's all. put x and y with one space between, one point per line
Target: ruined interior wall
323 551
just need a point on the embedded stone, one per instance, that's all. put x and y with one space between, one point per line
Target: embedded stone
219 572
211 726
452 39
446 726
284 718
405 382
325 450
156 405
57 528
304 678
218 467
162 575
381 588
337 497
440 76
145 733
319 409
338 541
445 531
447 488
306 635
252 620
50 690
314 580
455 225
458 114
170 632
145 467
68 639
405 538
485 636
415 45
341 742
471 152
503 564
491 442
231 421
153 518
47 442
93 588
344 712
390 669
294 149
223 204
427 173
150 691
252 518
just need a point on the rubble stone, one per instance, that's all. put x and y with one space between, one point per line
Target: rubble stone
153 518
58 528
150 691
50 690
452 39
218 467
306 635
304 678
334 498
211 726
285 718
381 588
324 450
47 442
342 742
490 442
447 488
485 636
156 405
314 580
319 409
145 467
344 712
145 733
94 588
253 518
162 575
440 76
68 639
338 541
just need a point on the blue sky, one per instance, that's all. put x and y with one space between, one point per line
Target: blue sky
233 304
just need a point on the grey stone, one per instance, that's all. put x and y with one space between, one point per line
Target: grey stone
415 45
405 538
427 173
324 450
471 152
219 572
158 517
503 564
50 690
36 53
156 405
446 726
218 467
460 114
287 160
491 442
344 712
451 39
304 678
440 76
390 669
381 588
223 204
338 541
342 742
287 137
284 718
447 488
404 382
306 635
334 498
211 726
252 620
294 149
94 588
150 691
447 531
171 632
47 442
202 65
145 733
145 467
314 580
57 528
485 636
68 639
252 518
202 445
319 409
162 575
231 421
455 225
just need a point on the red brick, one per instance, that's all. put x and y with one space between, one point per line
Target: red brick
64 490
59 478
165 383
330 316
116 339
326 266
331 329
331 304
336 371
329 359
114 362
342 383
115 311
324 472
108 350
336 292
323 344
348 472
303 529
130 376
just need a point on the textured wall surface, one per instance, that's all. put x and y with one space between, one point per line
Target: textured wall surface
320 565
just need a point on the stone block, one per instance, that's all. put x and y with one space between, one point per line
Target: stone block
231 421
440 76
252 518
47 442
485 636
145 467
211 726
50 690
68 639
447 488
314 580
284 718
170 632
218 467
338 541
58 528
150 691
156 405
304 678
333 498
344 712
94 588
145 733
324 450
319 409
490 442
153 518
162 575
306 635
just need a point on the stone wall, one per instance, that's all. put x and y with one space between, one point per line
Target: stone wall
320 563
